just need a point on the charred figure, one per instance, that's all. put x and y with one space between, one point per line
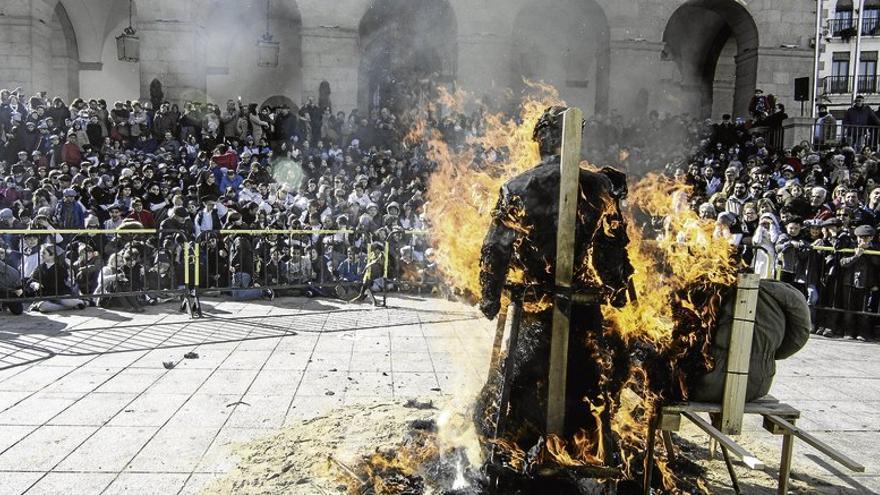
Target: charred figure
522 239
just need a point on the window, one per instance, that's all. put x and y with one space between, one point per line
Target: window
868 72
837 82
871 20
842 21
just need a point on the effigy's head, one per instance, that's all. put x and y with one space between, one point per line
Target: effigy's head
548 130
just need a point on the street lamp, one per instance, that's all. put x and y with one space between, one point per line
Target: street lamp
267 47
128 45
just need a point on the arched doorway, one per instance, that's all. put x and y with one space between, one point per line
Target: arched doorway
64 71
714 43
567 44
404 44
231 31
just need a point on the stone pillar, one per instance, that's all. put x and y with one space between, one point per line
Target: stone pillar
25 46
797 129
638 69
172 50
331 53
777 70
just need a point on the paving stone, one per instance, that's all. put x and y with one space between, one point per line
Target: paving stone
43 448
187 442
14 483
38 409
149 409
146 484
109 449
94 409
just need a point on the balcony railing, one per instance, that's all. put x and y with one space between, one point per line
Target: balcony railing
842 27
848 28
871 25
841 85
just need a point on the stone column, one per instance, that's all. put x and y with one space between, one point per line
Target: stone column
25 46
330 53
638 71
777 70
172 49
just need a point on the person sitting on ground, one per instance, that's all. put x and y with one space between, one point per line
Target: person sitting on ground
51 278
10 285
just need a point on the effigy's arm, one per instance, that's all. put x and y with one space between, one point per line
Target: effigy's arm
495 256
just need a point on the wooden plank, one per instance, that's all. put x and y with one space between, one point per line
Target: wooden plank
778 409
569 180
734 448
785 464
739 353
670 421
817 444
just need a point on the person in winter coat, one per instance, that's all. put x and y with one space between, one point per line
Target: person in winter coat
764 240
10 284
69 213
51 278
793 253
860 273
782 328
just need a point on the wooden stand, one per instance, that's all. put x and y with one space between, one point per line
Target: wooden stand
779 418
569 181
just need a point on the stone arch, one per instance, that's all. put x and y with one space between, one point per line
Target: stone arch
64 52
231 31
402 43
567 44
278 100
705 38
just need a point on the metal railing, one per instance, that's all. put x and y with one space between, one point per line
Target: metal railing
65 268
840 26
837 134
134 268
769 266
842 85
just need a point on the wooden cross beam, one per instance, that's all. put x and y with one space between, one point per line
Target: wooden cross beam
569 180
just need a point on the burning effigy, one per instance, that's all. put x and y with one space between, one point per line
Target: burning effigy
651 286
640 337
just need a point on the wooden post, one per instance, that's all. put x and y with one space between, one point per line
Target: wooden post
569 180
739 354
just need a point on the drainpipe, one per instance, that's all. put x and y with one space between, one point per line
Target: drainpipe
858 52
815 96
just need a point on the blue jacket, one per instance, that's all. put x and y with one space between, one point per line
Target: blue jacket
70 215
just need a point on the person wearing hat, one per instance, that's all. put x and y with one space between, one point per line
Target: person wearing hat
831 284
71 152
761 105
793 253
69 213
860 273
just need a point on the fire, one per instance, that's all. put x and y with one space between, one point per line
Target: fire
678 278
464 188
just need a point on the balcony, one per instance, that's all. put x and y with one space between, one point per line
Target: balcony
842 28
841 85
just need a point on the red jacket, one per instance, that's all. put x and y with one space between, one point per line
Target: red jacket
71 154
228 160
145 217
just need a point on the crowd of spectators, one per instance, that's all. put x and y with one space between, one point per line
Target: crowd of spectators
806 214
191 172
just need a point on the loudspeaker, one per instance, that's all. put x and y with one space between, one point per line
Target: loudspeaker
802 89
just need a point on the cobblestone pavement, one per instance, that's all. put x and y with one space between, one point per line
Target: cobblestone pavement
87 405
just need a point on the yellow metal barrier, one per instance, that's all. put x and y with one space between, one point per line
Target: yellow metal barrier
186 260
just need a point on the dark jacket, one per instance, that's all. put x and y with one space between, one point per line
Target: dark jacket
782 327
860 272
523 234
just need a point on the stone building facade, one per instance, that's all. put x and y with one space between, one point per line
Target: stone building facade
704 57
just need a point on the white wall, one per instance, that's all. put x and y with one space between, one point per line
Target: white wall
117 80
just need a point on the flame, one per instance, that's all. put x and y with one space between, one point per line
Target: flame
678 278
464 187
